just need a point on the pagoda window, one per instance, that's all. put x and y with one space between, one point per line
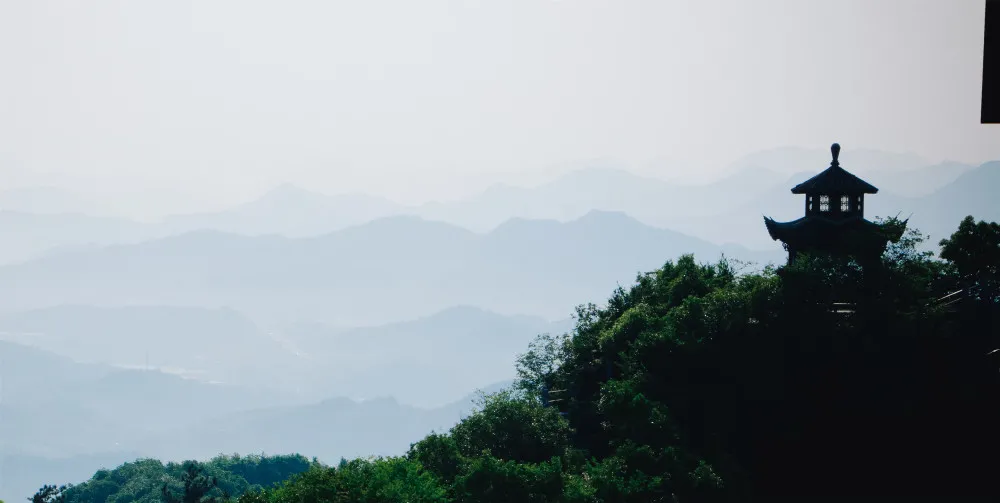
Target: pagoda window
824 203
845 204
809 205
859 203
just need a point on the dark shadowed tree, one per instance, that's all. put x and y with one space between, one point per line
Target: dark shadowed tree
974 251
50 494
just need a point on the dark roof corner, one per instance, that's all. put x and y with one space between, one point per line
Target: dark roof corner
772 227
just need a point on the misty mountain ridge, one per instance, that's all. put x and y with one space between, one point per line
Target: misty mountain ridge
615 190
416 361
30 235
413 361
99 407
216 344
94 416
289 210
122 408
391 269
327 429
292 211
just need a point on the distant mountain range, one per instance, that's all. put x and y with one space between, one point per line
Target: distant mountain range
45 221
329 429
403 267
289 211
205 343
417 361
54 406
414 361
62 417
577 193
391 269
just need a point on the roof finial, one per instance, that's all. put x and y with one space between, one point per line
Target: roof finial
835 150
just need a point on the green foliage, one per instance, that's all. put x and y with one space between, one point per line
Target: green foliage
439 454
537 367
488 479
149 480
197 487
358 481
50 494
510 428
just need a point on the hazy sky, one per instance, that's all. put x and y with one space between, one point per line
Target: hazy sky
411 99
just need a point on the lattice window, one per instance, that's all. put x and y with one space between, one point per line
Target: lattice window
845 204
824 203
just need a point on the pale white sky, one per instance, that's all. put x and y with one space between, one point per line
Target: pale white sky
412 99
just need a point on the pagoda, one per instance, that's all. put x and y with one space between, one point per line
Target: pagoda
834 222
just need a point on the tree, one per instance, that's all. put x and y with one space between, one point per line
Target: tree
974 251
197 486
439 455
511 428
537 367
492 480
50 494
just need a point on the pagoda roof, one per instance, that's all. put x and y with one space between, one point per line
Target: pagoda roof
814 223
813 228
835 180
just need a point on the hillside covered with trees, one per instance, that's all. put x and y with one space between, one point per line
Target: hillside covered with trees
149 480
821 380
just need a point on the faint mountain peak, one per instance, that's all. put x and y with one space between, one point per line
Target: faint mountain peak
336 402
461 310
204 236
296 211
984 177
398 222
606 218
403 227
606 177
287 188
477 315
381 401
500 188
514 224
593 220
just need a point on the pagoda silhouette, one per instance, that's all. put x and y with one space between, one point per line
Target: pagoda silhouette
834 222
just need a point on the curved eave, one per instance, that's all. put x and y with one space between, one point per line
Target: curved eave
815 224
779 230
